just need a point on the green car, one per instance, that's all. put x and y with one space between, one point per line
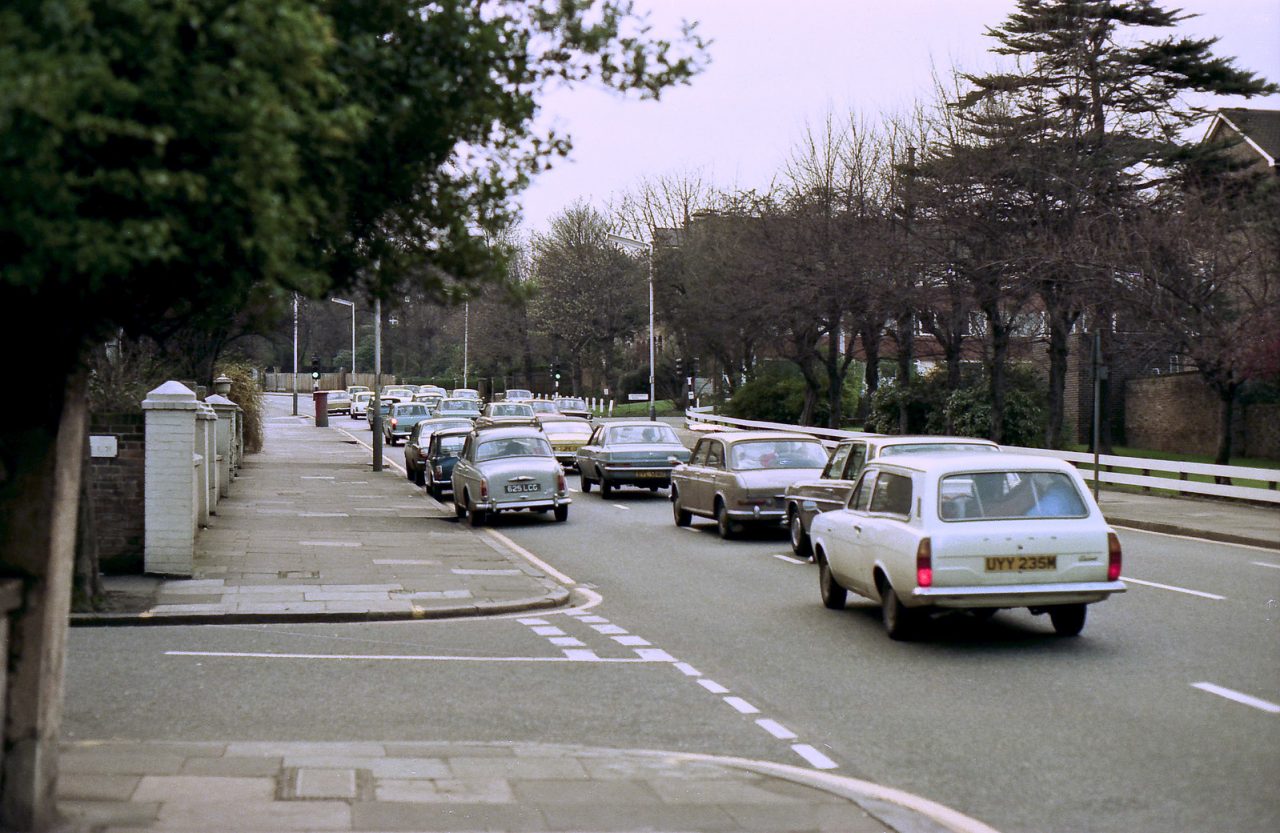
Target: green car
401 419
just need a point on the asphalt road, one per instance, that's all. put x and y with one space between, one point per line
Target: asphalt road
1000 720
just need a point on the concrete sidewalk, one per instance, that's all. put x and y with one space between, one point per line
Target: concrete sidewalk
1214 520
311 533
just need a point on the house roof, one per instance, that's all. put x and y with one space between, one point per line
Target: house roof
1260 129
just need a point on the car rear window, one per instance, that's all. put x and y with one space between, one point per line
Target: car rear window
452 445
513 447
931 448
778 454
641 434
1009 494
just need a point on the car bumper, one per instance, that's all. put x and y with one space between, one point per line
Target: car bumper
567 458
1016 595
646 476
512 505
759 514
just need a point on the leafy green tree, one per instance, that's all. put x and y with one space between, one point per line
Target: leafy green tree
162 160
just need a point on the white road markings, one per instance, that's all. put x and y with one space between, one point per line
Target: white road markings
1239 697
620 506
815 758
1202 595
570 656
741 706
323 515
776 729
1266 564
631 641
712 686
594 620
548 630
608 630
330 544
687 669
567 642
530 557
791 559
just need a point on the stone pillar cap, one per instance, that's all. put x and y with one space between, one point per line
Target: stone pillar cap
171 394
220 402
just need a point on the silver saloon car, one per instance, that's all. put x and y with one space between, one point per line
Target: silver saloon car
633 453
505 469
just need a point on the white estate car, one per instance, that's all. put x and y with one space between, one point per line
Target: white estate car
968 531
360 404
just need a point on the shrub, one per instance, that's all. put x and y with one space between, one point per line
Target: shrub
929 405
246 393
776 394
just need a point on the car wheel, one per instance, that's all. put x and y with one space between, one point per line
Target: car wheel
586 484
562 514
683 518
725 526
1068 620
475 517
899 621
458 508
800 544
606 488
420 477
408 471
833 595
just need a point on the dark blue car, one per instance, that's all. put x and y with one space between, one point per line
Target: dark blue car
442 453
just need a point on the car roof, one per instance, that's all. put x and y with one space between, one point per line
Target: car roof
504 431
747 436
553 419
924 439
966 461
452 432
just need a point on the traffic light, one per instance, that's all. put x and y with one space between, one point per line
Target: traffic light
555 371
695 366
315 366
679 366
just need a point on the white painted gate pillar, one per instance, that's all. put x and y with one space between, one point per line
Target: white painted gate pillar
226 411
171 499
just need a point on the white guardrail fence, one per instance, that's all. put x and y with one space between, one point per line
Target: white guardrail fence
1176 479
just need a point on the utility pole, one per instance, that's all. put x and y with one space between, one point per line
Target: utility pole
377 385
295 354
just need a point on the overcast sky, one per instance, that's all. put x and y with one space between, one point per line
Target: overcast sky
777 64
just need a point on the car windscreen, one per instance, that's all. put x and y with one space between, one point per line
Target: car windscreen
641 434
456 405
513 447
567 428
411 410
932 448
1009 494
511 410
571 404
519 394
777 454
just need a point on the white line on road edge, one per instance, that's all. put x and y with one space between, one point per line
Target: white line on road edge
1239 697
1265 564
1193 538
789 558
1174 589
813 756
580 656
530 557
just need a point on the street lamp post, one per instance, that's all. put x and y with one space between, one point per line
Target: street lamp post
627 242
295 354
466 339
353 328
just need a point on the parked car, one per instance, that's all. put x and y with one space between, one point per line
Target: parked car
468 393
338 402
505 469
806 499
384 410
637 453
415 447
451 407
976 532
567 434
739 477
515 394
574 406
402 418
360 404
441 455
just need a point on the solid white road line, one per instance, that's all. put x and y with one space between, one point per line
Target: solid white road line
530 557
1194 538
1266 564
330 543
815 758
570 656
776 729
1213 596
712 686
742 706
1239 697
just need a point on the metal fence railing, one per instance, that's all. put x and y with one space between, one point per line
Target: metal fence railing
1147 473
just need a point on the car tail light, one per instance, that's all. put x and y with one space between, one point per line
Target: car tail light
1113 557
484 489
561 484
394 422
924 563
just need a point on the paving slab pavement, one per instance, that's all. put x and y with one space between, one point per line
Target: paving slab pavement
117 786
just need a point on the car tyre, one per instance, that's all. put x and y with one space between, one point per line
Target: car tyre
800 543
1068 620
586 484
724 524
834 596
682 516
606 488
420 477
458 508
475 517
408 472
899 621
562 514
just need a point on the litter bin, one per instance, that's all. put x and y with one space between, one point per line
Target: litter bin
321 398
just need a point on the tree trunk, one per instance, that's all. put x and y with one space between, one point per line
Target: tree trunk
86 593
906 349
1226 414
1060 323
997 374
870 336
38 508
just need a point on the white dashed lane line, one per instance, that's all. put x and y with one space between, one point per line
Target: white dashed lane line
575 650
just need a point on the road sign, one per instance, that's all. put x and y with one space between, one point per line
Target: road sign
638 397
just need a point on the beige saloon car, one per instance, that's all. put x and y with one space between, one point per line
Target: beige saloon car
739 478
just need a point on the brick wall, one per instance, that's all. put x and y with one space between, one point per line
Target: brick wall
1262 431
116 489
1179 412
